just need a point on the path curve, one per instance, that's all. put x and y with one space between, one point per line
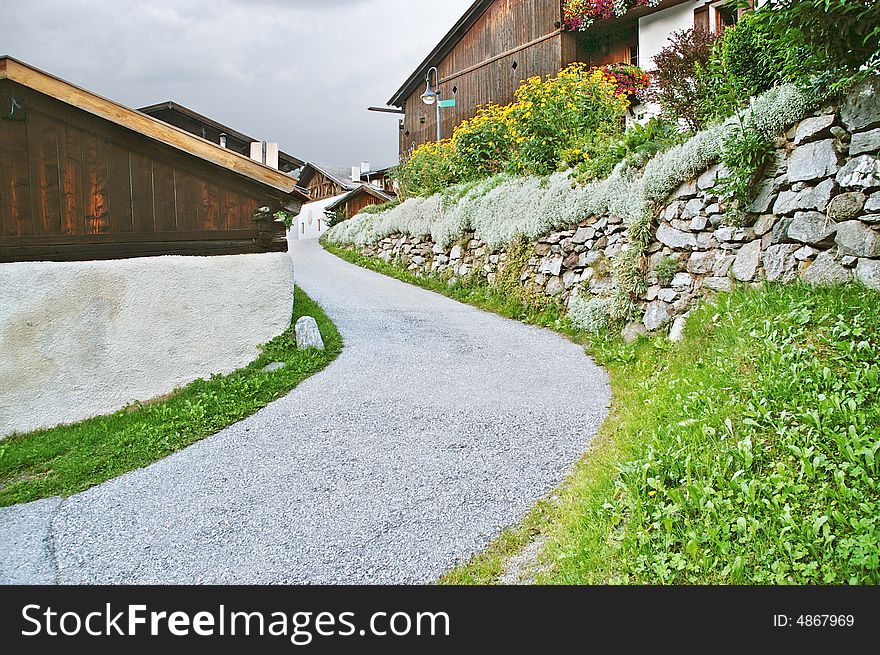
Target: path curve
437 426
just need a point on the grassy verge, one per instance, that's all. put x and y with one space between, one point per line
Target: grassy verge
747 454
68 459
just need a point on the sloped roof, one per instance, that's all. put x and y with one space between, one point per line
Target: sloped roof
54 87
170 105
339 174
362 188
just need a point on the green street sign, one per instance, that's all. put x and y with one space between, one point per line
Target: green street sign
447 103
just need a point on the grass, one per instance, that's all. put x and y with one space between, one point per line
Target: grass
747 454
68 459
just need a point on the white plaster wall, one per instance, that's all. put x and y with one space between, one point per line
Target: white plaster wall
655 30
311 222
87 338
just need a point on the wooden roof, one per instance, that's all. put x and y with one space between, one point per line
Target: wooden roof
176 107
369 189
54 87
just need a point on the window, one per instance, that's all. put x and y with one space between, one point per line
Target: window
701 18
634 55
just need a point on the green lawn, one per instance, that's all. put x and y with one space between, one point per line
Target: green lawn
747 454
68 459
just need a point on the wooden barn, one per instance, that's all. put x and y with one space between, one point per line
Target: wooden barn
85 178
186 119
355 201
499 43
322 181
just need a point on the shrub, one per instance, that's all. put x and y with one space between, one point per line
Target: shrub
677 80
836 39
428 170
578 15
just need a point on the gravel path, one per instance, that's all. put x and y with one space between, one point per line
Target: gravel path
438 426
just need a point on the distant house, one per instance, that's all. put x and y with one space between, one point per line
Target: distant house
83 177
356 201
499 43
207 128
333 189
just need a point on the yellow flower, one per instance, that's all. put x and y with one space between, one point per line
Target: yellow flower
652 493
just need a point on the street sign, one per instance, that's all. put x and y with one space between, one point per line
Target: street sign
447 103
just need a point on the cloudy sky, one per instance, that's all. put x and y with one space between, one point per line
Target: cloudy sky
297 72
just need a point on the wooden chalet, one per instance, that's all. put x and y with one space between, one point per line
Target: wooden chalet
322 181
499 43
83 177
209 129
355 201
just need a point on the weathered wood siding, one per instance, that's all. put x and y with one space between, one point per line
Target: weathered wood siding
74 187
512 41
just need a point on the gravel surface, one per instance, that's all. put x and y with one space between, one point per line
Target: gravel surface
438 426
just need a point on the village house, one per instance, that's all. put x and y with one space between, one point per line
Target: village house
224 136
499 43
116 231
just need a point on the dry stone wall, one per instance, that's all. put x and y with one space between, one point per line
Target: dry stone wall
815 217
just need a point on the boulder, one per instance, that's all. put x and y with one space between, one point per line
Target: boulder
551 265
307 334
861 108
686 190
583 235
682 282
861 172
873 203
555 286
734 234
811 129
868 273
846 206
813 161
718 284
780 263
633 331
857 239
668 295
826 271
657 315
865 142
745 267
764 196
669 236
812 228
676 332
709 179
701 263
764 224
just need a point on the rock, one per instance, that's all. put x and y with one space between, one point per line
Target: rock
307 334
868 273
706 241
455 253
554 286
764 224
603 285
862 172
657 315
673 210
669 236
846 206
873 219
857 239
780 231
570 278
805 253
786 203
709 179
692 208
633 331
813 161
779 262
551 265
811 129
873 204
682 282
861 108
723 266
668 295
865 142
572 261
734 234
763 197
812 228
826 271
745 267
418 260
686 190
676 333
718 284
583 235
699 223
701 263
274 366
816 197
848 261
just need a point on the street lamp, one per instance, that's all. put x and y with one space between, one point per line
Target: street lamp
431 96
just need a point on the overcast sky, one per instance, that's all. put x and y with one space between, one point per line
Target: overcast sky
297 72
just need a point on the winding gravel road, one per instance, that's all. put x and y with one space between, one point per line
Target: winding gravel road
438 426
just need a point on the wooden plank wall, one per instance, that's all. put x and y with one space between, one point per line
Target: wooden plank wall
506 26
73 186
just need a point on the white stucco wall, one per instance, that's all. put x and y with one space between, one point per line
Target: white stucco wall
87 338
311 222
655 30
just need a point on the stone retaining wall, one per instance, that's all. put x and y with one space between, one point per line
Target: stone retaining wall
815 217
